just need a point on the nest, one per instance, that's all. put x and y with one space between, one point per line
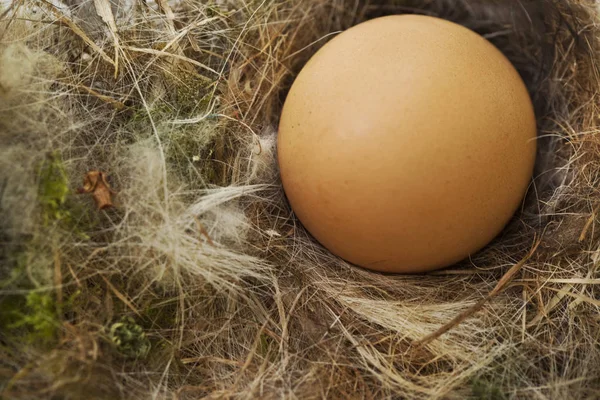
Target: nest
190 277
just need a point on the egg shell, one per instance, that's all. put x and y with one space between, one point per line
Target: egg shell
406 143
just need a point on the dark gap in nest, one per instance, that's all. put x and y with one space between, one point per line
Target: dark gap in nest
543 39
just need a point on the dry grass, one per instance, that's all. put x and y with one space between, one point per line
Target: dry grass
200 283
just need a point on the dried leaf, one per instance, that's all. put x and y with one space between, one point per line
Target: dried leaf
78 31
104 11
96 184
166 9
164 6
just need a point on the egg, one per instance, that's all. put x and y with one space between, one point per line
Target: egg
406 144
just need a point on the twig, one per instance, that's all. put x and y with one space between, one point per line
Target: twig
167 54
502 283
204 232
546 309
77 281
588 224
107 99
58 279
121 296
195 360
577 296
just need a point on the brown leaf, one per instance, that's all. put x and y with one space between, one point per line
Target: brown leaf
96 184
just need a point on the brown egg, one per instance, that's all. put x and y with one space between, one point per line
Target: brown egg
406 144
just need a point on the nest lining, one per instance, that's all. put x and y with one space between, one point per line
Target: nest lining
202 254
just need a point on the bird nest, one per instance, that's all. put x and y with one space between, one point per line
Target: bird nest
148 249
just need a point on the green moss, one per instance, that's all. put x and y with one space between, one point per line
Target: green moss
486 390
163 315
29 315
192 94
212 9
191 154
53 189
16 275
58 208
129 338
32 318
267 347
12 307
